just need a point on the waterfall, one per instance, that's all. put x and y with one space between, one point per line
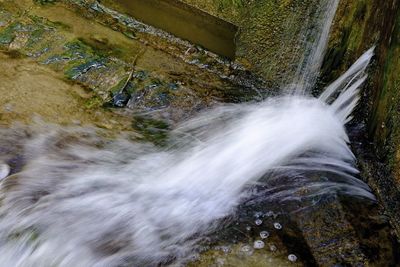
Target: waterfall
317 36
84 200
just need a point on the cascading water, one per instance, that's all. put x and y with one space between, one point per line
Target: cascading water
84 200
317 36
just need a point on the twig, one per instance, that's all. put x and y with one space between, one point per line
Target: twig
132 71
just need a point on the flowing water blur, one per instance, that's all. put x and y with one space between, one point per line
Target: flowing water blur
316 39
85 200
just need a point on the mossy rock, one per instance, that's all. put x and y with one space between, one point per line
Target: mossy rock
8 34
153 130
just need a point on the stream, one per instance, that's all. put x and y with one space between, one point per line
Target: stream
231 184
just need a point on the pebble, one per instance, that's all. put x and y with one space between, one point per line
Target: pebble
4 170
264 234
258 244
292 258
246 248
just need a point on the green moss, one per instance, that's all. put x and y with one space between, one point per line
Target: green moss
361 11
78 49
223 4
357 27
74 71
93 102
77 59
348 38
37 30
77 56
36 36
334 56
387 112
117 88
8 34
155 131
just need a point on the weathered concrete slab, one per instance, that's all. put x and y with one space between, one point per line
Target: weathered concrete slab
186 22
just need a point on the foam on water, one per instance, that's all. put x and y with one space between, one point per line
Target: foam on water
83 200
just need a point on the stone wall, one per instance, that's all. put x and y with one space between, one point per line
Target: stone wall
358 26
273 35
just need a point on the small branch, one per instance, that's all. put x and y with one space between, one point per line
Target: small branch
132 71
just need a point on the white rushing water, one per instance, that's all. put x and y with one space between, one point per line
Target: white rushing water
317 37
83 200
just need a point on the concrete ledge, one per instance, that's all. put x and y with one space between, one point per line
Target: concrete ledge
186 22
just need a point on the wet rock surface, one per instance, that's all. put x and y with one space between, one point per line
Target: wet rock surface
170 77
358 26
337 231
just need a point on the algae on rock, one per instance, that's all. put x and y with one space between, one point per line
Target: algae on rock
358 26
275 35
178 82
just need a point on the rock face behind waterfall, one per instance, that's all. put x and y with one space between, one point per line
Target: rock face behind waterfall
275 35
359 25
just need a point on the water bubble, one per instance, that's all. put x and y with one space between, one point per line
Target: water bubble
194 257
258 222
248 228
220 262
258 214
269 214
292 257
278 226
273 248
225 249
4 170
246 248
258 244
264 234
